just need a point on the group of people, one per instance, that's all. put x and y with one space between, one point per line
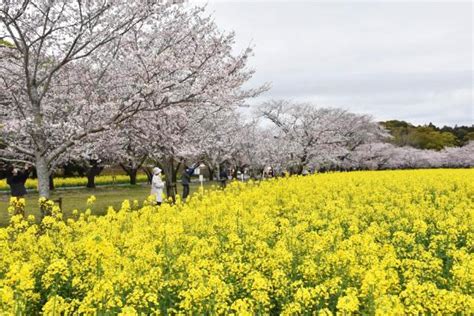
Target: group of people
16 179
157 184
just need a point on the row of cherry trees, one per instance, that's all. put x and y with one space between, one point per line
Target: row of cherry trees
280 134
387 156
304 137
78 75
142 83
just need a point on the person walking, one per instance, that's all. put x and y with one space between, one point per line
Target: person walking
186 180
223 176
157 185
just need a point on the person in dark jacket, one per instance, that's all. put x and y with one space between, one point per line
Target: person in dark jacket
186 180
16 180
223 176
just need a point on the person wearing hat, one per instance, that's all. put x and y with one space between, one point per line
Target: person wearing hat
157 185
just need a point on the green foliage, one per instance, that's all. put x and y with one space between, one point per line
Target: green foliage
464 134
469 136
428 136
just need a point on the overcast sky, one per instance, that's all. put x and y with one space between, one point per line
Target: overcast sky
403 60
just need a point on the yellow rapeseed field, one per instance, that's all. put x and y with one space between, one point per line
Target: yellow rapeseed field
385 243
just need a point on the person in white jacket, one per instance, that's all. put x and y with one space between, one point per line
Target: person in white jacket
157 185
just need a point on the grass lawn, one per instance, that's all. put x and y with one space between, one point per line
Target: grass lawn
76 199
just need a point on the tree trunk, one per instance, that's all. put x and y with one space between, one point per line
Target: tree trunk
168 170
132 168
43 176
149 174
90 181
211 173
175 172
92 172
51 182
170 189
133 176
299 169
131 172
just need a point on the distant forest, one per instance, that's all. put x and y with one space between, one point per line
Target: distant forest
428 136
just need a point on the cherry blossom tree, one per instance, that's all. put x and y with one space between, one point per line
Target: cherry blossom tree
215 133
77 68
372 156
260 147
384 155
319 135
132 147
48 38
459 157
169 144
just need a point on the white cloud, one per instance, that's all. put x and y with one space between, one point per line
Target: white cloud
395 60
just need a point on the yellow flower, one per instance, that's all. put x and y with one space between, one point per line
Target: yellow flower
91 200
349 302
383 243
